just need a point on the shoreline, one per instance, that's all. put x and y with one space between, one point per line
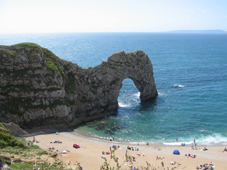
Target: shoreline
90 153
143 143
50 130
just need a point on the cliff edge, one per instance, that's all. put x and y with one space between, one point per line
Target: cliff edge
38 88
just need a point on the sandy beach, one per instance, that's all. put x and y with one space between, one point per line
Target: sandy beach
89 155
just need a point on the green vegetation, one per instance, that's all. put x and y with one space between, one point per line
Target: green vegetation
122 53
27 44
29 165
106 164
3 126
23 165
70 85
24 156
50 59
62 71
13 124
42 153
7 139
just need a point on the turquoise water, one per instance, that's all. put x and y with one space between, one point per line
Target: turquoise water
190 71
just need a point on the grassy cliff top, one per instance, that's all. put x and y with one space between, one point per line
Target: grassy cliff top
49 57
27 44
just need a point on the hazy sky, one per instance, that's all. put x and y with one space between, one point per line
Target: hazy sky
21 16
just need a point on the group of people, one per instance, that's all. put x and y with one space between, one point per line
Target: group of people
55 141
190 155
132 148
34 140
52 148
115 146
159 157
105 153
205 166
141 154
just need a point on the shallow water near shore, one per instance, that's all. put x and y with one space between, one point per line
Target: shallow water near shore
190 76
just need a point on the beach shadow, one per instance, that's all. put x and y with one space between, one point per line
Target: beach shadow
46 130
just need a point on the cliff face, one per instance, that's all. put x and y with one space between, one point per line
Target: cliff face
38 88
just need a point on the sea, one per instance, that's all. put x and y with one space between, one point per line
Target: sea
190 71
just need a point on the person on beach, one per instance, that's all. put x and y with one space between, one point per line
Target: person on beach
176 140
204 149
194 144
34 167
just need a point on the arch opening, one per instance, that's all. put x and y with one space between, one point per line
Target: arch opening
129 95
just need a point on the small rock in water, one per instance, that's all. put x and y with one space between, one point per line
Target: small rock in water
109 131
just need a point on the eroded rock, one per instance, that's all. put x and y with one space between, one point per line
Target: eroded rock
38 88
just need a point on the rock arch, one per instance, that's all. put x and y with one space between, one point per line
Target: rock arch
38 88
106 80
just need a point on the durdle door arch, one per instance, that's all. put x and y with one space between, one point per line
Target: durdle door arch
107 79
38 88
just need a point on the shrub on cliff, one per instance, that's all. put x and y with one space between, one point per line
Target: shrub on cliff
7 139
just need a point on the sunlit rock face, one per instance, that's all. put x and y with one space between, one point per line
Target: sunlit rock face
37 88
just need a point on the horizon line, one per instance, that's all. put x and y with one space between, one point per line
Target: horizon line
171 31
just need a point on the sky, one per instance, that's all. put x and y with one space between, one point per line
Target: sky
54 16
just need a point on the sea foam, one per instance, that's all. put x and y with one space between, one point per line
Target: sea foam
178 86
123 104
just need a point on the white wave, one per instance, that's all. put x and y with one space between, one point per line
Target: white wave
123 104
177 143
178 85
137 94
137 101
212 139
140 143
161 94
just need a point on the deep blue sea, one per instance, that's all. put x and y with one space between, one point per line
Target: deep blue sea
190 72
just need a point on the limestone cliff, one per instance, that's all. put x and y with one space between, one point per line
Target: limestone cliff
38 88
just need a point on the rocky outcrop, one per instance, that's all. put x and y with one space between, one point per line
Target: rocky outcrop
16 130
38 88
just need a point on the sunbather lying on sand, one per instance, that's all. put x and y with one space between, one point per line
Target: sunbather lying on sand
141 154
159 157
172 163
204 149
